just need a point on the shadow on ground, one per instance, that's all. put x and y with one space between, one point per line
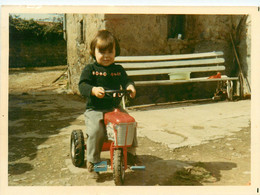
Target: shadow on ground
161 172
35 118
177 173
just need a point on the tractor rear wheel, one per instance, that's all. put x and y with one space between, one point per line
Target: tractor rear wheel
77 148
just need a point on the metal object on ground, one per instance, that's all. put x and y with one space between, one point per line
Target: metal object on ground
137 167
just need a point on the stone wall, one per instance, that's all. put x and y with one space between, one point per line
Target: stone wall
244 49
139 34
208 27
28 53
80 31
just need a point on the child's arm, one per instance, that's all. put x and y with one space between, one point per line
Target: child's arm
127 83
133 91
86 83
98 92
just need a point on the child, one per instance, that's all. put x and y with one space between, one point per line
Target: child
95 78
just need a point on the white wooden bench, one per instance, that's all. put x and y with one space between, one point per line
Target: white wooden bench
140 67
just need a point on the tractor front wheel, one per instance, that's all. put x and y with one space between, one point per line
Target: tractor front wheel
118 167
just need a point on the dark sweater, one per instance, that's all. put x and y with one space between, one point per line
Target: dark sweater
108 77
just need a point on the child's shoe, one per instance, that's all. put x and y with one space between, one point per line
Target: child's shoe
92 173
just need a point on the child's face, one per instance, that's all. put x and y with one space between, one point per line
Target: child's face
105 58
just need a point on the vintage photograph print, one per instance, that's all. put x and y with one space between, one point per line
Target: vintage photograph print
123 98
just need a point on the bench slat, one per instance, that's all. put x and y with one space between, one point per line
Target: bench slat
167 57
142 65
174 70
171 82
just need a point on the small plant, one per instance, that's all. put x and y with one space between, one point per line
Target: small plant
193 175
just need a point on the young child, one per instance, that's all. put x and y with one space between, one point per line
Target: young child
95 78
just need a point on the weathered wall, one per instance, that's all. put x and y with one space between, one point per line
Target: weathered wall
80 31
208 27
244 48
28 53
139 34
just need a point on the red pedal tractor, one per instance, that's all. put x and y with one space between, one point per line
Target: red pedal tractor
121 129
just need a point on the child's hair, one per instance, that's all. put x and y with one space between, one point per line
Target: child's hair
108 42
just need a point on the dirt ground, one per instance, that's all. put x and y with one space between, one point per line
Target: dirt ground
42 115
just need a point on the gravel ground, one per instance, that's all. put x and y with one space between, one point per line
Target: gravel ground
41 119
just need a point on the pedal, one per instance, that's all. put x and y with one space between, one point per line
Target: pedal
137 167
101 166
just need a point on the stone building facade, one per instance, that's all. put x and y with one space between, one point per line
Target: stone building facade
151 34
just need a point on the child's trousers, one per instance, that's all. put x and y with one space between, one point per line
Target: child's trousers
96 132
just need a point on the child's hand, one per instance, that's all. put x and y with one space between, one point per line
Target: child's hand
133 91
98 92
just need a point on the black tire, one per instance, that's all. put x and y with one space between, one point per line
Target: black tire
118 167
77 148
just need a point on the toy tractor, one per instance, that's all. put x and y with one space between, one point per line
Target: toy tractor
120 129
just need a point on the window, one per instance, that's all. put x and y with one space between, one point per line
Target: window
81 32
176 26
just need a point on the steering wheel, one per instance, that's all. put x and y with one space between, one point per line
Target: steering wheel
117 93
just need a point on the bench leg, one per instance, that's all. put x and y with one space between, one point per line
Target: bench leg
238 87
230 90
216 96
